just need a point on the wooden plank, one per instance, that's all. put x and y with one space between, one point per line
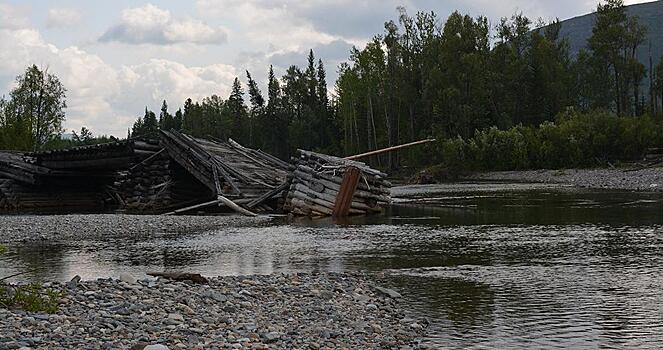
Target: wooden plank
148 159
347 192
269 195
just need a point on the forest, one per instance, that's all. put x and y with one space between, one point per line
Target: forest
509 96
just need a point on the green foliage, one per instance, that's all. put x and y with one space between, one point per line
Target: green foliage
3 249
574 140
148 125
617 73
31 298
34 112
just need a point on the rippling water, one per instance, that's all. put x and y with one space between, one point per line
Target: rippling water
515 268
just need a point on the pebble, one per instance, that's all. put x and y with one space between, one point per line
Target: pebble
252 312
128 278
155 347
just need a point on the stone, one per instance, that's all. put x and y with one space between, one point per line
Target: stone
73 283
388 292
216 296
176 317
155 347
271 337
128 278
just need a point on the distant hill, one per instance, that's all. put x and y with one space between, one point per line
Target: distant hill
577 30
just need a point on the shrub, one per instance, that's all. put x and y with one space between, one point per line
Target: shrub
574 140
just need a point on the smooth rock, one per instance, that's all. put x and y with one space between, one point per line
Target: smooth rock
388 292
128 278
155 347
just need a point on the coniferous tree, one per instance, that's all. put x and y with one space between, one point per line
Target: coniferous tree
166 121
238 112
177 120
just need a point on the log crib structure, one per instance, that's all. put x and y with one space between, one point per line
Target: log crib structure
180 174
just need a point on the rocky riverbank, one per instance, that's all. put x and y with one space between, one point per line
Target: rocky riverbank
98 226
650 179
312 311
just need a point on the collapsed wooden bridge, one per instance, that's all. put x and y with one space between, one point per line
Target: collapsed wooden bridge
179 174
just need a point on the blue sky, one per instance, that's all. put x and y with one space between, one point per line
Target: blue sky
116 57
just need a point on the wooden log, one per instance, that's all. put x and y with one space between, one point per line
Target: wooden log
330 198
378 196
387 150
322 203
180 276
148 159
104 163
269 195
235 207
193 207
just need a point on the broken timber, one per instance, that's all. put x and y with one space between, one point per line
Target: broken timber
324 185
178 174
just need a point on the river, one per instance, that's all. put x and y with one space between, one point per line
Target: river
490 265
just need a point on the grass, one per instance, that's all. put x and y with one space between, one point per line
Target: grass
31 297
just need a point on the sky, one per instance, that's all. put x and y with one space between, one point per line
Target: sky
116 57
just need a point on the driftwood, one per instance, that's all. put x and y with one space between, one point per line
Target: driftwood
180 276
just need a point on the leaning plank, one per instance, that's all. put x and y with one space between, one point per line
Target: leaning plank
269 195
148 159
348 187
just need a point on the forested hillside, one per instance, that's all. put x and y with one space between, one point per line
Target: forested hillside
577 30
517 95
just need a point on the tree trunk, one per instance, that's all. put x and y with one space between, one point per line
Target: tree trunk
369 113
618 93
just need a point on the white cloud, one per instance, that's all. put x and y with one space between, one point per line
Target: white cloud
152 25
265 23
104 98
159 79
11 17
62 18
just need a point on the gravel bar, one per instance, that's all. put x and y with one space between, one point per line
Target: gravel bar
301 311
98 226
649 179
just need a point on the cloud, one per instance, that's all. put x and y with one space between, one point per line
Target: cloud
11 17
159 79
266 23
337 50
152 25
105 98
62 18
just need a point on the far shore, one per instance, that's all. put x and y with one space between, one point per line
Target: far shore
646 180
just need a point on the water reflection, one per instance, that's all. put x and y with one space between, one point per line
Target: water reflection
494 270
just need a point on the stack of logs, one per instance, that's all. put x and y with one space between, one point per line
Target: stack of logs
16 197
321 183
155 185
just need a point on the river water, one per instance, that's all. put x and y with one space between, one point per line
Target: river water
490 265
